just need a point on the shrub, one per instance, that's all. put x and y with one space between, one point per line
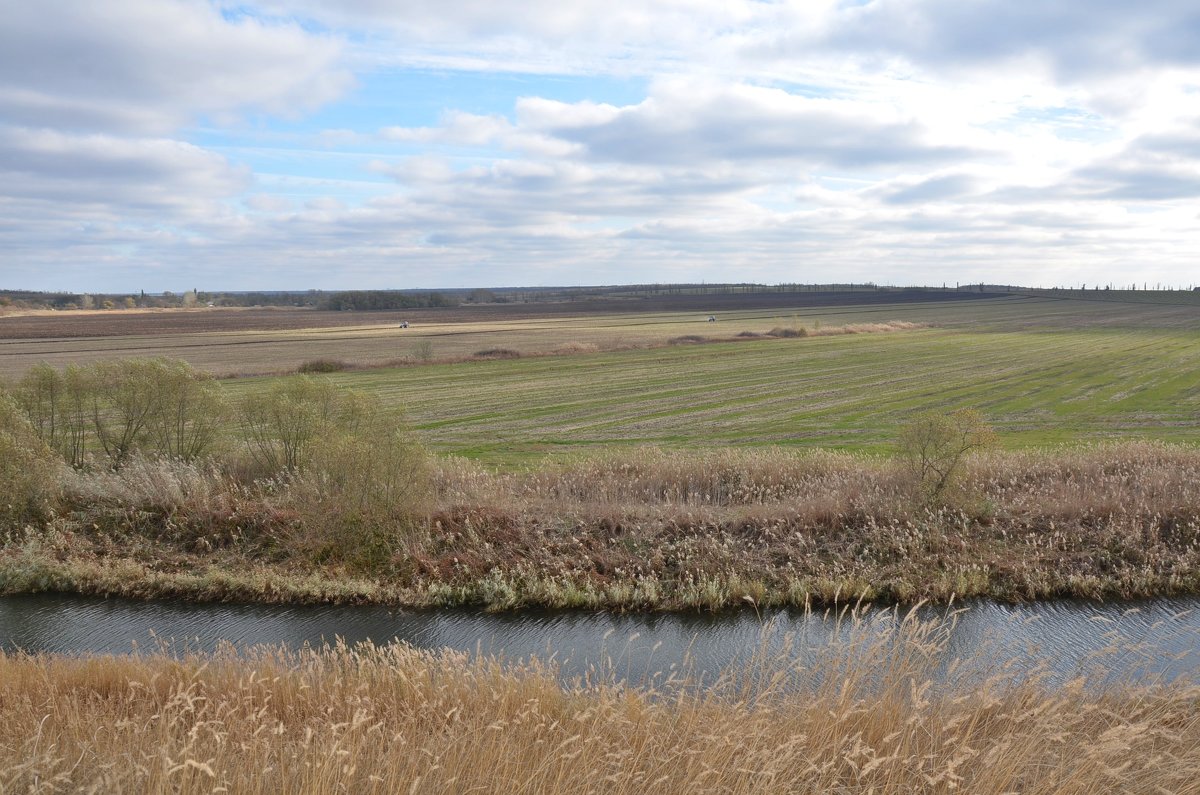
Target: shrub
280 424
122 397
933 447
497 353
363 493
359 480
317 366
779 331
29 469
687 339
423 350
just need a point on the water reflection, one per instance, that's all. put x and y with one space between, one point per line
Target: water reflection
1119 642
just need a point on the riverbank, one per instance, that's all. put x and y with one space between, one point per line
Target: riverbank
872 713
648 530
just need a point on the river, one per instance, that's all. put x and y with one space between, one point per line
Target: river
1157 639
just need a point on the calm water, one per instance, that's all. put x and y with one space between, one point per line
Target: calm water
1159 639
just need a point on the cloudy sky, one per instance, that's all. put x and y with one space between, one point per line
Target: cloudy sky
289 144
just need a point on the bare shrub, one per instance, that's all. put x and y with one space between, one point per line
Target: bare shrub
423 350
687 339
934 446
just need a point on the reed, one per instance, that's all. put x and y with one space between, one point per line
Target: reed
648 529
864 716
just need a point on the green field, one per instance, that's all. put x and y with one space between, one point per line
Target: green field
1042 372
1043 369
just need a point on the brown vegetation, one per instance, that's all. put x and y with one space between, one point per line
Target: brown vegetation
644 529
864 717
320 366
497 353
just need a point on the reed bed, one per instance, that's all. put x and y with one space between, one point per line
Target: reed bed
866 715
643 529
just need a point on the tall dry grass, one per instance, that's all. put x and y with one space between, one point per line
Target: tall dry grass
638 529
1142 477
865 717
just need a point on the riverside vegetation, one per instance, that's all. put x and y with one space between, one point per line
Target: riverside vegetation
143 478
869 714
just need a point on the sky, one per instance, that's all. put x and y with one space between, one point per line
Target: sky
295 144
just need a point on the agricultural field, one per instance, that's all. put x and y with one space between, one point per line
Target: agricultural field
1042 370
848 392
274 340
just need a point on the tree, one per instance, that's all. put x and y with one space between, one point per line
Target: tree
159 405
188 409
57 405
281 423
28 468
933 447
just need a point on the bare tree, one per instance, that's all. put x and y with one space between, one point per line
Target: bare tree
934 445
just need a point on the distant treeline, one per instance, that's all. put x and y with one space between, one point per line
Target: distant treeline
361 300
384 300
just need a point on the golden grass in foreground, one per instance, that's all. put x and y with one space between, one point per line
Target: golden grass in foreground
863 718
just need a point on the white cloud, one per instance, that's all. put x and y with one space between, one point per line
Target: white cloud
147 66
924 140
457 128
691 121
122 175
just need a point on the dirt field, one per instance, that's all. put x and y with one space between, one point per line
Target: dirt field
260 341
100 323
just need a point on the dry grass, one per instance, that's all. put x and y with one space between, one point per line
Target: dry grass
647 530
575 347
864 717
